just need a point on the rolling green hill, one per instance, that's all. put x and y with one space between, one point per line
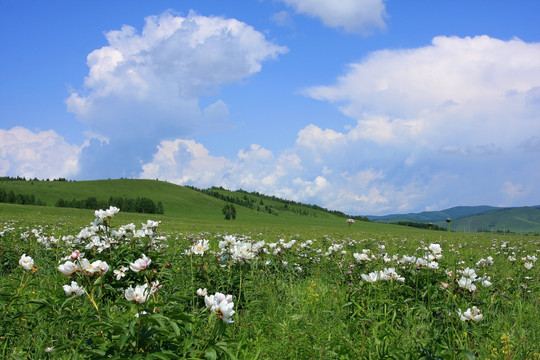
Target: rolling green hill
435 216
190 207
475 218
522 219
183 206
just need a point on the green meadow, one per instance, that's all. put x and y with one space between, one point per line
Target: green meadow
79 284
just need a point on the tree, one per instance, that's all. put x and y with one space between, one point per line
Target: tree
229 211
159 209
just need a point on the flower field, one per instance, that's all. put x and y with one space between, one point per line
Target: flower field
133 291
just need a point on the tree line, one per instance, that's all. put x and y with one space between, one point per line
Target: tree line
22 199
429 226
19 178
141 205
286 205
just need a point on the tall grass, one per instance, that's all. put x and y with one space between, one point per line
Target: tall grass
303 293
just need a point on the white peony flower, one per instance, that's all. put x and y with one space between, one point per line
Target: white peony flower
68 268
26 262
140 294
201 292
371 277
474 314
200 247
140 264
73 290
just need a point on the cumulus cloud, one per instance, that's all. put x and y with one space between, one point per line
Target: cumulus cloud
42 154
429 125
355 16
457 91
146 87
185 162
462 107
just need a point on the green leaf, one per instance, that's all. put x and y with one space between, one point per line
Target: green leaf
210 353
98 281
223 346
123 339
175 328
469 354
98 352
158 356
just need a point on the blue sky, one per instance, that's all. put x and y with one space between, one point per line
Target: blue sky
363 106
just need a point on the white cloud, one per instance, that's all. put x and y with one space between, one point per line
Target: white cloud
283 18
185 162
355 16
42 154
430 124
255 153
513 192
458 92
146 86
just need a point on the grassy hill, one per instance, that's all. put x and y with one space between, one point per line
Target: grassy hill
522 219
475 218
184 207
187 207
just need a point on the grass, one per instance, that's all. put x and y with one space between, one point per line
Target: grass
302 296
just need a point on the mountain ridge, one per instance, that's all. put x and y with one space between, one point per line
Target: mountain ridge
474 218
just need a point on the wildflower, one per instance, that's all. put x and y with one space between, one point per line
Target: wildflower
371 277
73 290
75 255
155 287
26 262
486 281
408 259
466 283
98 267
435 249
470 273
474 314
433 265
68 268
485 262
140 264
391 274
200 247
221 305
49 349
201 292
209 301
421 262
528 265
120 273
220 297
243 251
139 294
228 241
105 214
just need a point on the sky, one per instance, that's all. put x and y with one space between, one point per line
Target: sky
369 107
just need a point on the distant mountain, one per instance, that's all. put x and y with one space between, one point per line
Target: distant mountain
475 218
518 220
435 216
